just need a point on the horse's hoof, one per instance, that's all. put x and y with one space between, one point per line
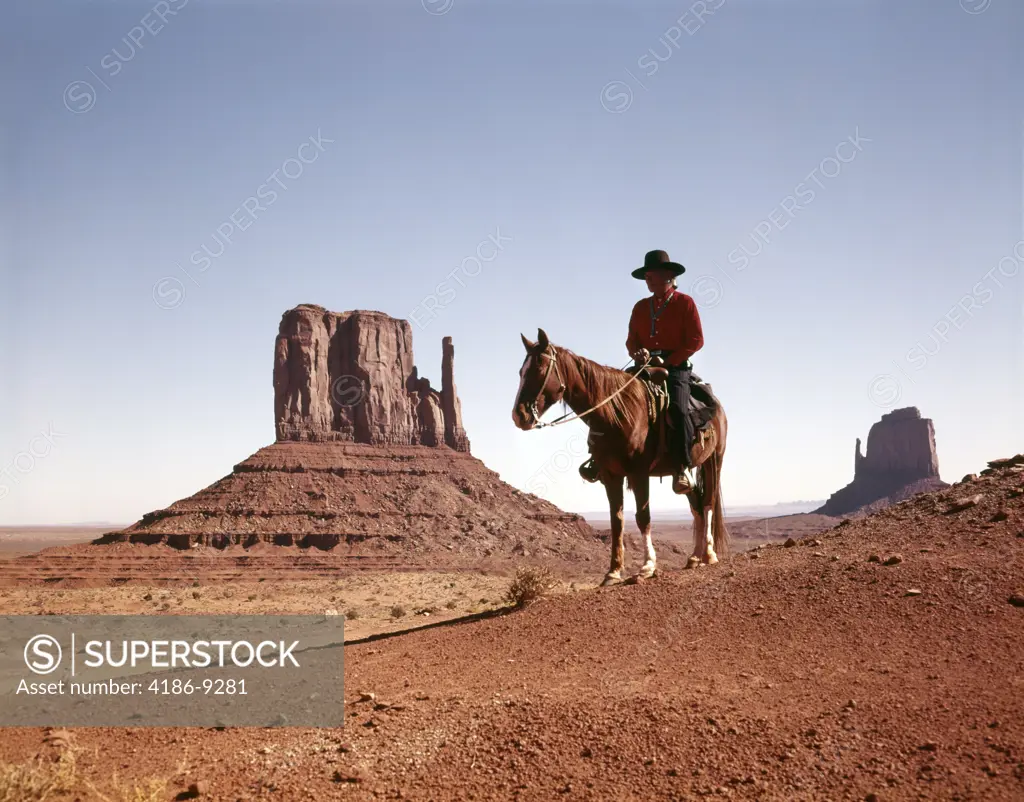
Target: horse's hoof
712 560
693 562
611 579
646 572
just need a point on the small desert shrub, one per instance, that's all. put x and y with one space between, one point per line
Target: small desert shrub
397 611
451 604
252 597
352 614
529 585
38 778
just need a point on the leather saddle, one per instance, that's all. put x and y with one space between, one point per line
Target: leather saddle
654 372
701 408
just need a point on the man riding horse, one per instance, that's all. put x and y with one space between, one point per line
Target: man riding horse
667 325
621 413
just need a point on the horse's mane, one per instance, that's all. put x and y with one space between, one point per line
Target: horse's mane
626 410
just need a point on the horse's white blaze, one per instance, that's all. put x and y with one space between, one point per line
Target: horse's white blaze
522 381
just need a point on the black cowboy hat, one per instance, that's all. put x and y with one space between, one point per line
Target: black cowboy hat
655 259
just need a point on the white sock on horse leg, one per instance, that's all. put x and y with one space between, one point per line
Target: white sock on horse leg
709 534
650 559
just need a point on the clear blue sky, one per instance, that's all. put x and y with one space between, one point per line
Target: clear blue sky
553 125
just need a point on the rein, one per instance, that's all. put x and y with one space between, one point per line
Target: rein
571 416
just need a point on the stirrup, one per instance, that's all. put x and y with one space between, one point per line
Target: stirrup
589 470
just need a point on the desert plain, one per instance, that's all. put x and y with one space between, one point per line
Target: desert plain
874 658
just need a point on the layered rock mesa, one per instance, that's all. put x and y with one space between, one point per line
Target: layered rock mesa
900 461
350 376
370 463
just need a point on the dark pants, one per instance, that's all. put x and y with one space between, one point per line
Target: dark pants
678 386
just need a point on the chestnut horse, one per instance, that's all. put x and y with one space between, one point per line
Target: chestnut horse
624 446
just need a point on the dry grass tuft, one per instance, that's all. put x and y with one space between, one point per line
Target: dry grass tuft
37 779
529 585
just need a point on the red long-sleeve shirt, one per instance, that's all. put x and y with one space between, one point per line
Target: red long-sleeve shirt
677 328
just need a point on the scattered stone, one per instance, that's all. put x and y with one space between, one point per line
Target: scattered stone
969 478
851 705
345 748
1000 515
929 746
352 775
818 554
871 798
197 789
835 558
1005 462
816 542
895 559
912 592
366 697
964 504
874 558
789 543
1017 600
59 738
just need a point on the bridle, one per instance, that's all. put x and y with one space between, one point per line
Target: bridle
568 416
552 365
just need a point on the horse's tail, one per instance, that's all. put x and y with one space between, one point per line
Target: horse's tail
719 531
718 528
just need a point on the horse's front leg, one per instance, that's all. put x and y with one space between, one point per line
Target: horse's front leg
642 494
613 487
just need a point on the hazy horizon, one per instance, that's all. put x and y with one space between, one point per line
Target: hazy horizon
845 185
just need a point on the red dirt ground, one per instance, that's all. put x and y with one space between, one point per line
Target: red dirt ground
804 672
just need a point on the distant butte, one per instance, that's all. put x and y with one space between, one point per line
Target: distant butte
901 461
350 376
370 462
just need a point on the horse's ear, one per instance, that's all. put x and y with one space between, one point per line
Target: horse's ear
529 345
542 339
